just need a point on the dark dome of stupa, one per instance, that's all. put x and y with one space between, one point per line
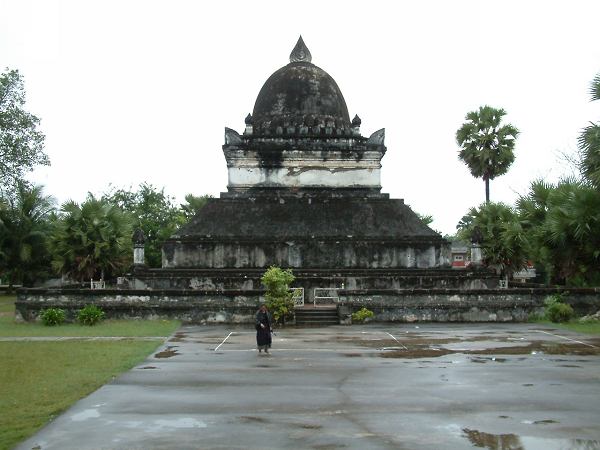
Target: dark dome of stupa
300 98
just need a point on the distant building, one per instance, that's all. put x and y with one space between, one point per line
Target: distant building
525 275
459 255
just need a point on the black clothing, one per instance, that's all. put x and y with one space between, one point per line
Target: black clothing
263 335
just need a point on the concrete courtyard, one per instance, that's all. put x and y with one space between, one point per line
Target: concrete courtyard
394 386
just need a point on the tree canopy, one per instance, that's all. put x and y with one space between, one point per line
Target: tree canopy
589 143
156 214
503 240
25 223
487 146
562 225
91 240
21 143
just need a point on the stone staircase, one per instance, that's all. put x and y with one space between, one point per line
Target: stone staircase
317 317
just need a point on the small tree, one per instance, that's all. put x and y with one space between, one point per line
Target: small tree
279 298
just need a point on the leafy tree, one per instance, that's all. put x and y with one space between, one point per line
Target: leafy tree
487 147
279 298
193 204
589 143
91 240
24 231
504 243
21 143
154 212
426 219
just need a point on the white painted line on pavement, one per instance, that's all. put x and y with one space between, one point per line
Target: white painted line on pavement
568 339
223 341
399 343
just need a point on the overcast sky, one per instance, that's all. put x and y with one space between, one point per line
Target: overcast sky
141 91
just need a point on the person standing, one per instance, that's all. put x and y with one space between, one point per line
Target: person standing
263 329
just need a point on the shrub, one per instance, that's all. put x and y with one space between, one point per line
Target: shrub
559 297
362 315
556 309
90 315
559 312
52 316
278 296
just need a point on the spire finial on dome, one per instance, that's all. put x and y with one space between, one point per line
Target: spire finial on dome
300 53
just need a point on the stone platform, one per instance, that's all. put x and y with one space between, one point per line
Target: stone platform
239 306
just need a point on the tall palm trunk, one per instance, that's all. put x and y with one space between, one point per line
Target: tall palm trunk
487 189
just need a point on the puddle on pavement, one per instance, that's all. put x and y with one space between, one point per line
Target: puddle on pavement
531 348
85 415
415 353
253 419
515 442
539 422
148 367
310 426
178 337
167 353
483 360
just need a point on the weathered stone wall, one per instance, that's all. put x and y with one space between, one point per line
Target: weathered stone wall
458 305
230 306
325 168
244 279
302 253
187 306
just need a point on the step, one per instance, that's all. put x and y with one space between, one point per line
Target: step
316 317
316 313
317 323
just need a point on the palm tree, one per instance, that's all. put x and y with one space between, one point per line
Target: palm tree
92 240
504 242
24 230
589 143
486 145
562 224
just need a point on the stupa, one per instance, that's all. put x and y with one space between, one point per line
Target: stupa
303 192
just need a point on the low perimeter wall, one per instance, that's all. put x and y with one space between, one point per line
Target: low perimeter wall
230 306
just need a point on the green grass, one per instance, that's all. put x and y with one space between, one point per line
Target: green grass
127 328
42 379
587 328
7 303
574 325
39 380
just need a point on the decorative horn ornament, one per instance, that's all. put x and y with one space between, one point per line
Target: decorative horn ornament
377 138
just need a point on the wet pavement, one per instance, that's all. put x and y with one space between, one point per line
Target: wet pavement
404 386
